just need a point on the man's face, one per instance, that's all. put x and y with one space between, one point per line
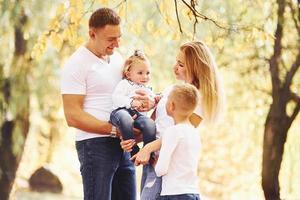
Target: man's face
106 39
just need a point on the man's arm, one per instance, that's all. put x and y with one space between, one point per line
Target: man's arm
76 117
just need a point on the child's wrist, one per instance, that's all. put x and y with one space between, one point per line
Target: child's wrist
147 148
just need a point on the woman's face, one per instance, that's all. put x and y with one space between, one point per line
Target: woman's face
180 67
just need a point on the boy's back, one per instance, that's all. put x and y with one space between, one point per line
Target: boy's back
178 160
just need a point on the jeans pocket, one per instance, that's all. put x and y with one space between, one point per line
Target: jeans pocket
81 154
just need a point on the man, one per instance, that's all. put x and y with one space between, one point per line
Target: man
88 80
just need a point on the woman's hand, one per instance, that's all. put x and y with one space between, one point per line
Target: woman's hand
147 103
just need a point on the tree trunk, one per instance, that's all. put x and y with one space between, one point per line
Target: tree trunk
15 121
275 134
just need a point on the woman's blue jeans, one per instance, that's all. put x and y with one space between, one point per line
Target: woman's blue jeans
107 173
180 197
150 184
122 119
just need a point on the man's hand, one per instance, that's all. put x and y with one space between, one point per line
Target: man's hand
127 145
147 103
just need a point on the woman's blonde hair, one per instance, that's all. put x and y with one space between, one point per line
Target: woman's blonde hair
203 73
137 56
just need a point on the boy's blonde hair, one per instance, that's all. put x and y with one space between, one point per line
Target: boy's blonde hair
203 73
185 97
138 56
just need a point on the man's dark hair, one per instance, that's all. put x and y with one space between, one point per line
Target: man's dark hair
102 17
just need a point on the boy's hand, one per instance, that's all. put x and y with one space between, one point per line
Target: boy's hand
142 157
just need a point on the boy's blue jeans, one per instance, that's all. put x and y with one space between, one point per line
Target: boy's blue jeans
107 173
122 119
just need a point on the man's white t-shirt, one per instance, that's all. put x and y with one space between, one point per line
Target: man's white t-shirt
86 74
178 160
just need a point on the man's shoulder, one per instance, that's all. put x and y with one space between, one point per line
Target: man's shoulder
75 57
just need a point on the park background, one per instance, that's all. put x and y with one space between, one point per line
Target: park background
254 153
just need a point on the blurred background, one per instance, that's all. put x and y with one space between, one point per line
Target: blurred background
253 154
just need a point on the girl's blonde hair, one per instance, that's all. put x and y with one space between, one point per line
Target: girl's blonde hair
203 73
137 56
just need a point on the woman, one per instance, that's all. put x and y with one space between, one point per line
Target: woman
194 65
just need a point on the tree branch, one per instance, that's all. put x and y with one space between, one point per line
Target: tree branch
202 16
177 16
295 113
294 17
294 97
291 73
274 68
194 11
119 4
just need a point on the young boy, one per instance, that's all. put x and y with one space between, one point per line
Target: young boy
180 147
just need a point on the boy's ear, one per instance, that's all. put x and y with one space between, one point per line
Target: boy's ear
172 106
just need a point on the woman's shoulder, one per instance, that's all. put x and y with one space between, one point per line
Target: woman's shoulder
167 90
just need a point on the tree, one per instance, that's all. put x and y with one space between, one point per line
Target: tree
278 120
15 124
170 22
18 33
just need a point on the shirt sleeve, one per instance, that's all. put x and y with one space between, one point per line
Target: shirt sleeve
121 96
169 142
73 80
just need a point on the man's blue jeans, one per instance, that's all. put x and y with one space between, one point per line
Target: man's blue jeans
122 119
107 173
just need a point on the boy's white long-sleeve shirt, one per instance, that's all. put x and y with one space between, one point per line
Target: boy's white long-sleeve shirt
178 160
125 90
163 120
